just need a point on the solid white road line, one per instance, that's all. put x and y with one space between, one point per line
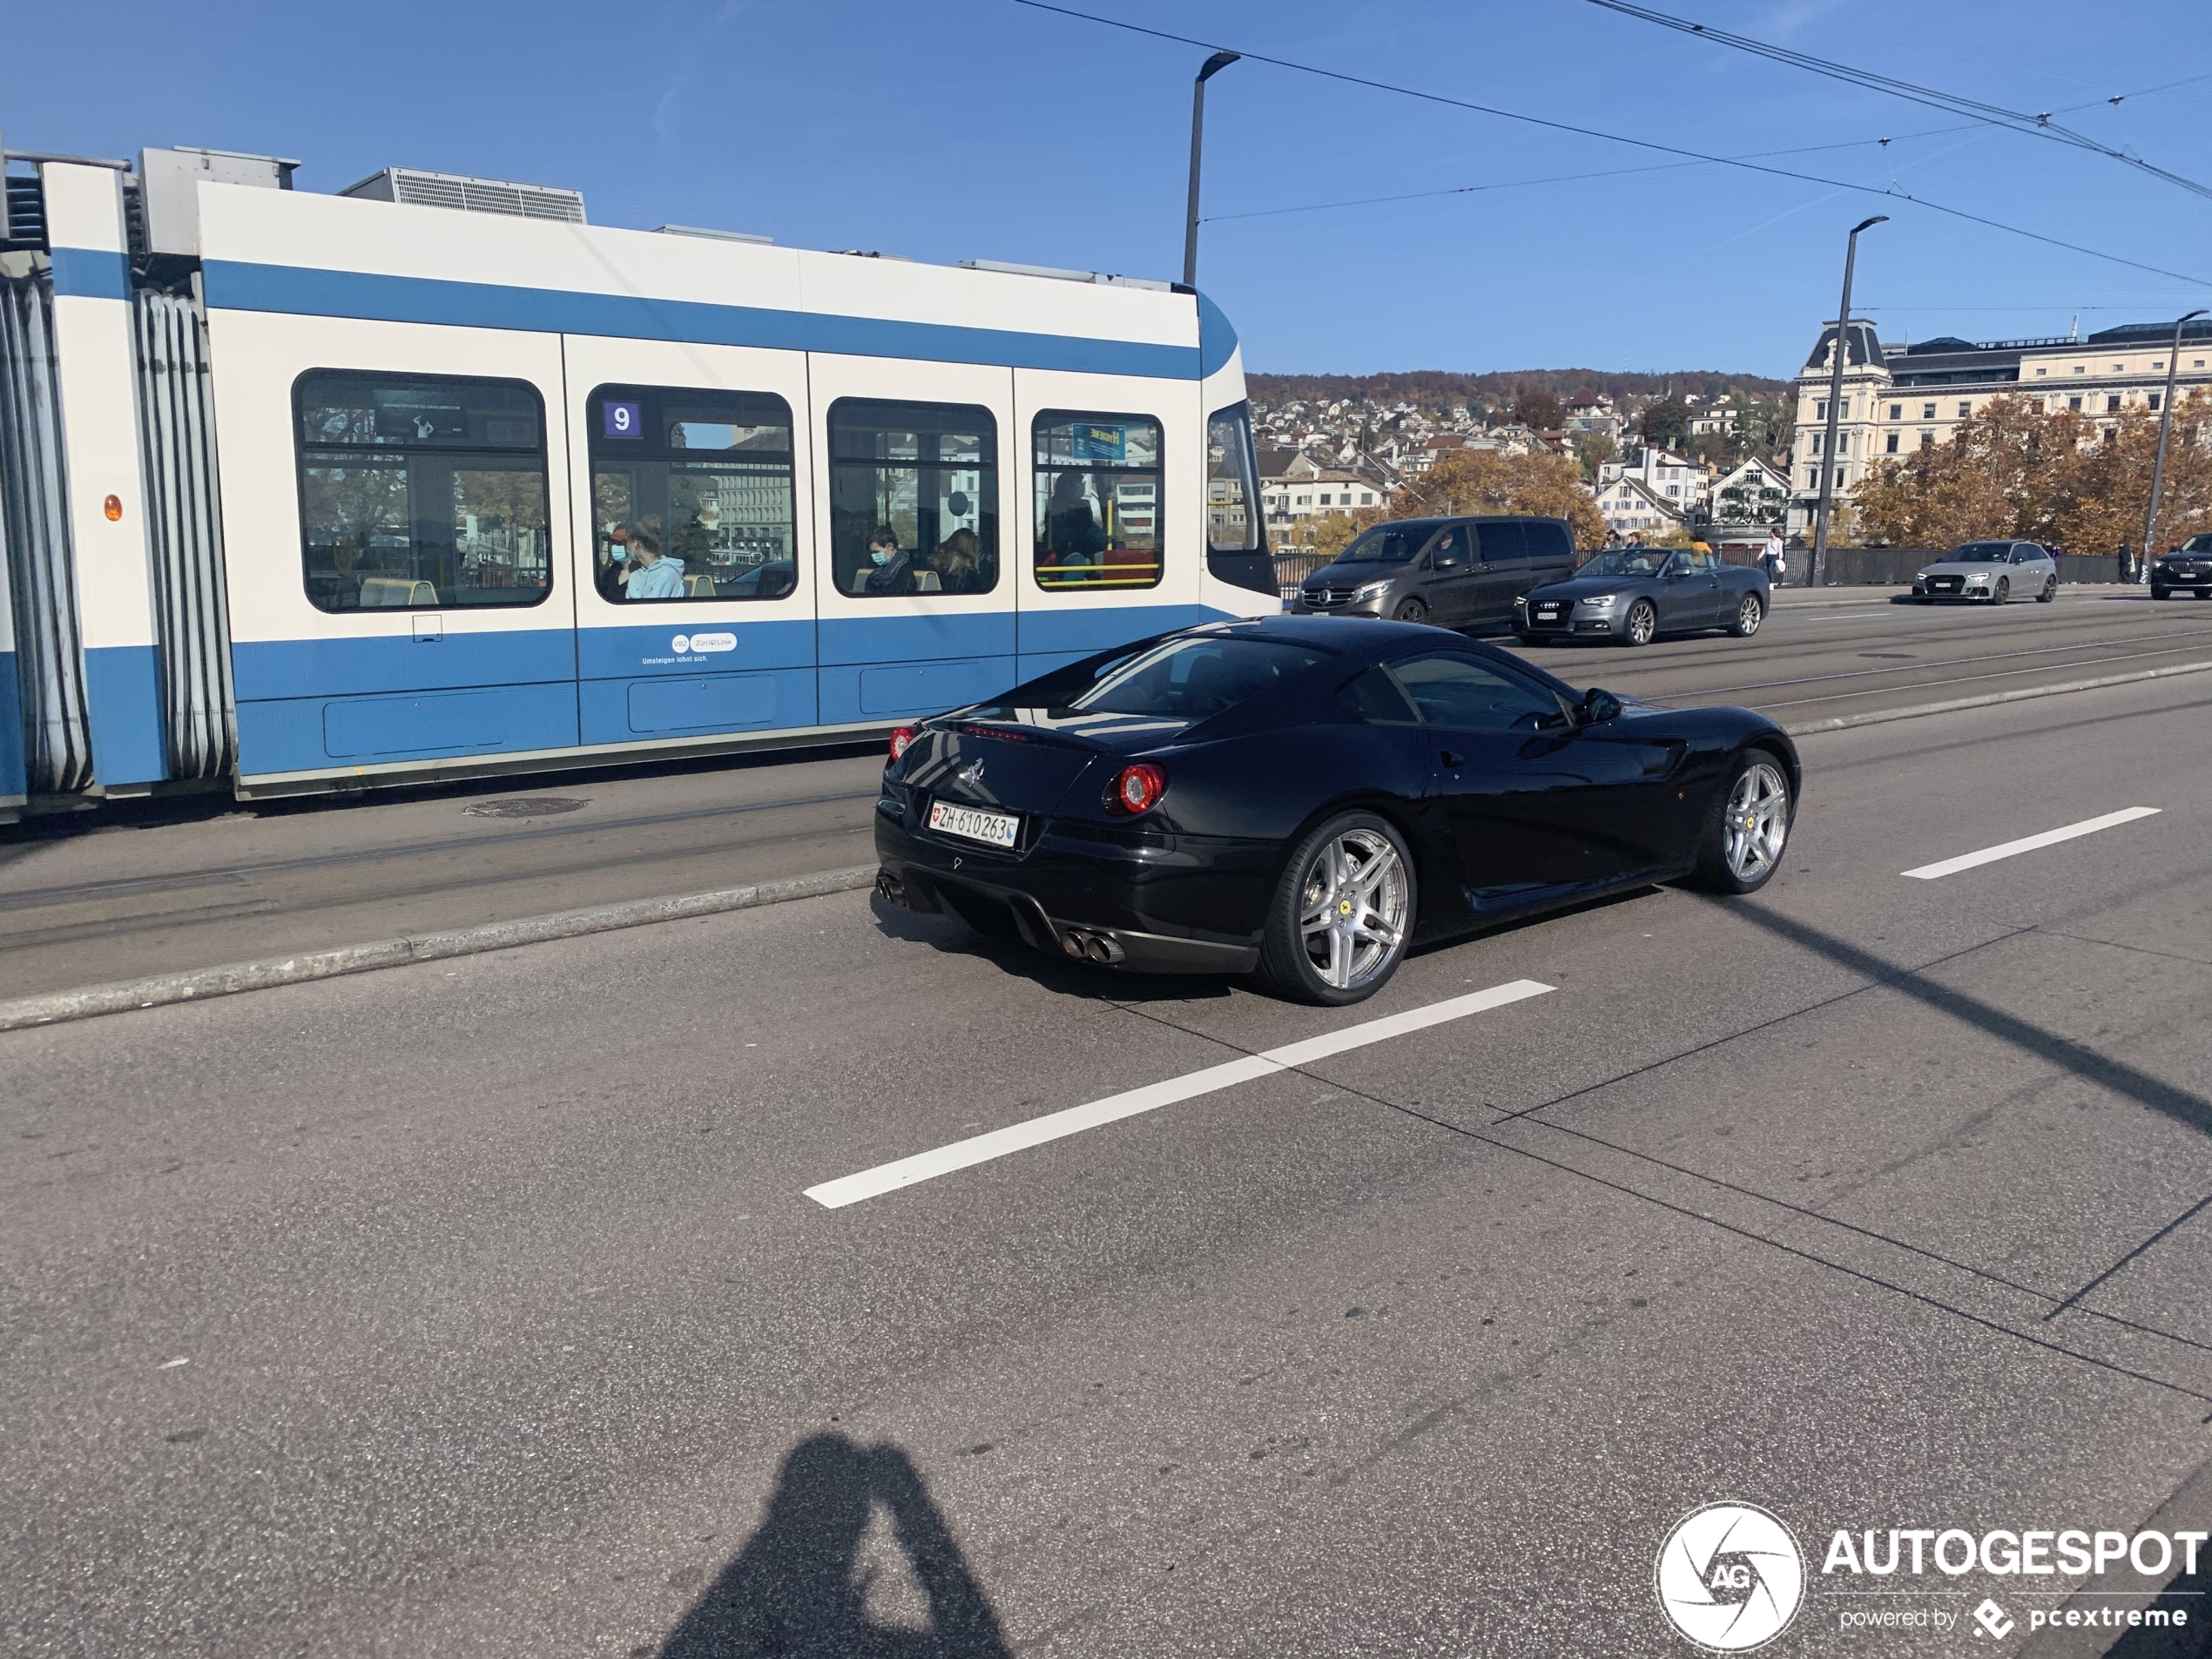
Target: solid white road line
2029 843
1017 1138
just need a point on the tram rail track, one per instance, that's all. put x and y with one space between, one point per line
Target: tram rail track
128 887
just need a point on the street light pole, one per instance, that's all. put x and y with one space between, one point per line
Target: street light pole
2158 467
1835 402
1212 67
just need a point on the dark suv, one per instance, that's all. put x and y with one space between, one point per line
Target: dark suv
1455 572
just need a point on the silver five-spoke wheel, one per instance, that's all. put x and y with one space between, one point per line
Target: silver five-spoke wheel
1352 905
1757 821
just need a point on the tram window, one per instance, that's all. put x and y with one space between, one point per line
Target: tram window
1232 483
420 492
1098 501
691 495
914 498
1236 540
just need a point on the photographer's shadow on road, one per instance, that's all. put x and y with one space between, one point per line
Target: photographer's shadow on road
799 1588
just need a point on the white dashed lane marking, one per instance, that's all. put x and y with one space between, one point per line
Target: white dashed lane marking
2029 843
1019 1137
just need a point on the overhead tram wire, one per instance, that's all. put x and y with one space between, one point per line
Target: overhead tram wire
2037 124
1576 178
1614 138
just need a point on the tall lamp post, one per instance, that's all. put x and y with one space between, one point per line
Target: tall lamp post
1835 408
1212 67
2158 467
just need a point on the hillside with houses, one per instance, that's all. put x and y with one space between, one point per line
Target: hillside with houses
1661 456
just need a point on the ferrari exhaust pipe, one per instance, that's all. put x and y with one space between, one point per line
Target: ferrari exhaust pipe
1085 946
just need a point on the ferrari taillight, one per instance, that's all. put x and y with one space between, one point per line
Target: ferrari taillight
901 737
1137 790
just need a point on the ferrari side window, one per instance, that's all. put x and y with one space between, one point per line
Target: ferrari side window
1455 691
1374 698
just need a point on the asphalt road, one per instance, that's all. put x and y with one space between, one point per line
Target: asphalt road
477 1308
156 889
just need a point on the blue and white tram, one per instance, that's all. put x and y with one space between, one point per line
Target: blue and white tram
356 492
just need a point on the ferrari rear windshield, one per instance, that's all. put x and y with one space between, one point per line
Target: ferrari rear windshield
1980 553
1193 679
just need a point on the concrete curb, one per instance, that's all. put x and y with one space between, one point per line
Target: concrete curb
201 983
1845 722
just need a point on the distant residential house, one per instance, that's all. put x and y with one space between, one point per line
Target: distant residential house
1667 476
1295 491
1754 493
1630 508
1424 453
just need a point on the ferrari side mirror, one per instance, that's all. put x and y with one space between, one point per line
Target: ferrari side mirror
1598 706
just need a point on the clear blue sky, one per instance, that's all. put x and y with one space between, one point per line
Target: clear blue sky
977 128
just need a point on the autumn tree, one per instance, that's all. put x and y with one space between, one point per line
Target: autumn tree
1490 481
1665 424
1593 450
1766 426
1539 411
2058 477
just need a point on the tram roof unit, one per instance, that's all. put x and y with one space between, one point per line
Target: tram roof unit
293 251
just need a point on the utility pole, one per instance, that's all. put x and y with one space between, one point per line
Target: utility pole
1835 409
1212 67
2158 467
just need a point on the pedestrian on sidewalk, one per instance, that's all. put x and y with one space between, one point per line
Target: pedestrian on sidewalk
1771 557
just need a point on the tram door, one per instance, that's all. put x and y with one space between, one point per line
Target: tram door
916 567
693 561
395 543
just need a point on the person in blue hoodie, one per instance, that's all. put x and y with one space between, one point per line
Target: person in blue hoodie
650 575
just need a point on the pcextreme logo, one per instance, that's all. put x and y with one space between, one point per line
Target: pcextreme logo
1730 1577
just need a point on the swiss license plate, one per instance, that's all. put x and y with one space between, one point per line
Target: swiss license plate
1547 613
999 829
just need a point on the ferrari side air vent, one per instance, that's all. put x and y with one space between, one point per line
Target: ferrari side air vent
415 188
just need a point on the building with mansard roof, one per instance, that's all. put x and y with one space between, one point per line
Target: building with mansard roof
1899 399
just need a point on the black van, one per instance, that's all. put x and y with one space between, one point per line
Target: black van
1454 572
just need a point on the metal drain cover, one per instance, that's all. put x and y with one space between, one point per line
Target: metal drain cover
525 807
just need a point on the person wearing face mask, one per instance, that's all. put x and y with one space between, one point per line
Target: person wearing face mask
889 568
651 575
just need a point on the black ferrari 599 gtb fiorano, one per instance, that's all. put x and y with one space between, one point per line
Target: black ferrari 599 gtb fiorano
1303 798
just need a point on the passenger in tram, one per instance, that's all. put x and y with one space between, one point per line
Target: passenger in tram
893 566
649 574
958 562
1074 535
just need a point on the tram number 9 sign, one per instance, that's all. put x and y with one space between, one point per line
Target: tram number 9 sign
622 420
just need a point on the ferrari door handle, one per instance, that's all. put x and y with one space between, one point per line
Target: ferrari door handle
1450 757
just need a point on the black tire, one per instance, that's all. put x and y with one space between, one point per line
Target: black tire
1750 613
1641 625
1534 639
1286 965
2050 593
2161 593
2002 591
1410 610
1718 870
